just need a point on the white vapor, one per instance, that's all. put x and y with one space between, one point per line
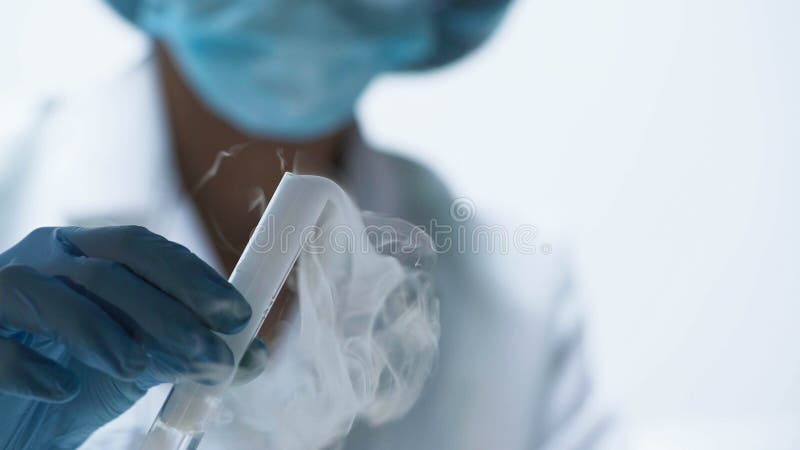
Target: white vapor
361 345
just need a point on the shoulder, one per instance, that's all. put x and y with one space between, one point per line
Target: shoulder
520 284
389 183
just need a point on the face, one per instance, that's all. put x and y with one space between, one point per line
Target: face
288 69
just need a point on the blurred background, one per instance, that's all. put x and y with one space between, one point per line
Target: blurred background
655 142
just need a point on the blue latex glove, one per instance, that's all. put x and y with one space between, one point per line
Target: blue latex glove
92 318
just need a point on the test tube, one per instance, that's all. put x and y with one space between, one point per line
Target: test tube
270 255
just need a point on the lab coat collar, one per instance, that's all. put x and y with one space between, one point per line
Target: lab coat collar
106 159
108 156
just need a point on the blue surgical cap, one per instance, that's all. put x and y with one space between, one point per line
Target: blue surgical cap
456 27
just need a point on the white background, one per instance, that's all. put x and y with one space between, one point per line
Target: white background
658 138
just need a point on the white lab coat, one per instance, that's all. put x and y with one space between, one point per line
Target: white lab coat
511 372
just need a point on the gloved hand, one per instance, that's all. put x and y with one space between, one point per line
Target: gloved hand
92 318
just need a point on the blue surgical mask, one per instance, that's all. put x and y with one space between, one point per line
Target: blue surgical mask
294 69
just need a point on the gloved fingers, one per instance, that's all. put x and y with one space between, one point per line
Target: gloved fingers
253 362
25 373
168 266
32 302
172 335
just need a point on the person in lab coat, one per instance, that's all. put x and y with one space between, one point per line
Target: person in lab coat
282 76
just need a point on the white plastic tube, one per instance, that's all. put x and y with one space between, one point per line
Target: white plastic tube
262 269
